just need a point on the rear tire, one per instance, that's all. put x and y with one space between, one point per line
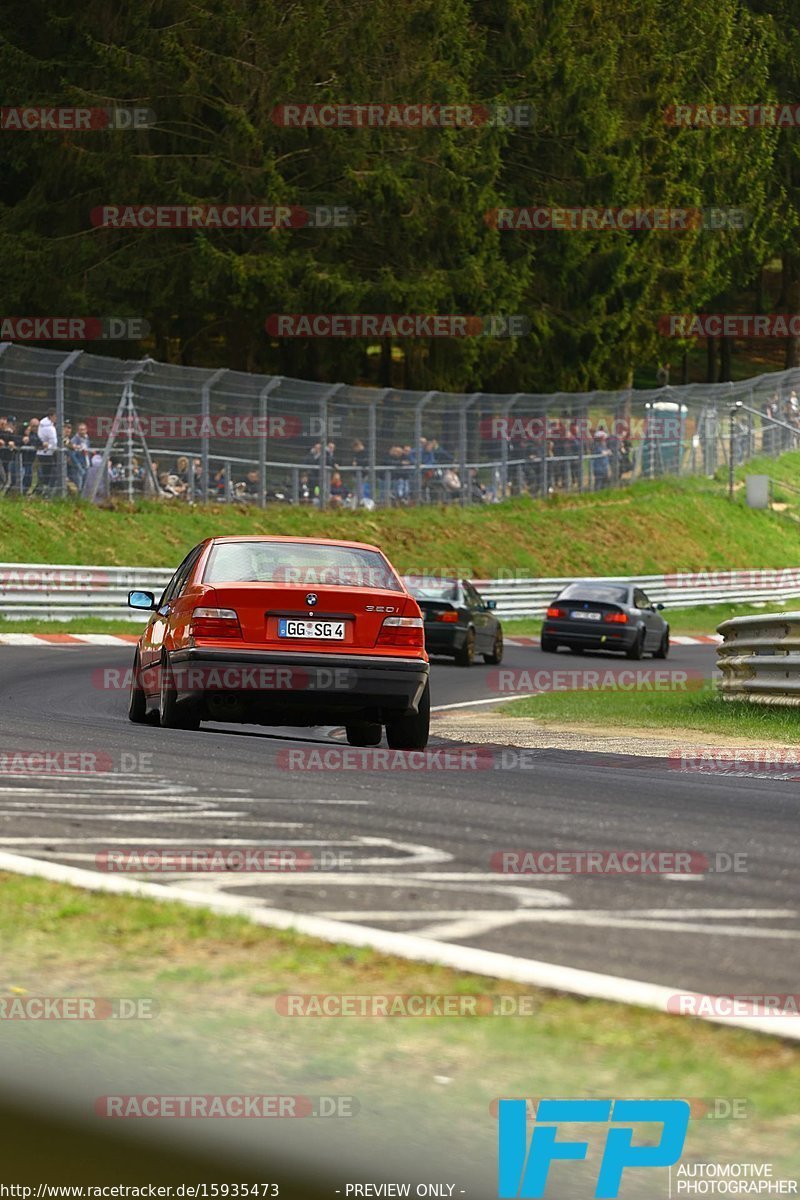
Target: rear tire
137 701
171 714
465 657
363 733
496 657
663 649
412 732
636 651
548 645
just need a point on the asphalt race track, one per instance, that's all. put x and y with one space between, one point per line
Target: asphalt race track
419 843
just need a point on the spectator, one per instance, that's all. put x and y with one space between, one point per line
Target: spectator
360 456
79 456
314 455
251 485
479 493
305 491
339 492
46 453
330 457
29 447
601 461
451 483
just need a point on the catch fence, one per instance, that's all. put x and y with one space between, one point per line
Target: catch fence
187 433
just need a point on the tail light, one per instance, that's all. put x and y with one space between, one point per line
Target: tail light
402 631
450 618
616 618
555 613
215 623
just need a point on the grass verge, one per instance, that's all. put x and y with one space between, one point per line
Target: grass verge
215 980
700 711
677 524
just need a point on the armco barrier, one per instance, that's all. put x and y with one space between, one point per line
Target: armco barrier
760 659
62 592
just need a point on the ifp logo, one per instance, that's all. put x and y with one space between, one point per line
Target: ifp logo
523 1172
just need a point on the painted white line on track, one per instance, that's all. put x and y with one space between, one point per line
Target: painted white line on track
472 703
410 946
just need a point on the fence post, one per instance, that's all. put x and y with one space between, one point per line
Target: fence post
466 491
421 404
372 443
263 414
504 443
205 413
61 456
327 395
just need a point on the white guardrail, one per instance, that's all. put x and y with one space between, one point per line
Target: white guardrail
760 659
62 592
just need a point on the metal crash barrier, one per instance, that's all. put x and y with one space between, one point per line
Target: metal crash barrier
760 659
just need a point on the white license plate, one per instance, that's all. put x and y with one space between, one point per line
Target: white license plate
331 630
579 615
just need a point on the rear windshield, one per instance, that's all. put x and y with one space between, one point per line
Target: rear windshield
432 589
604 593
299 563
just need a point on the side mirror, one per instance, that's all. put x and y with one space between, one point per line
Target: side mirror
491 605
144 600
659 607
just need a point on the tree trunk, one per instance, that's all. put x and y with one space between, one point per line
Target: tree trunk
725 349
791 291
711 360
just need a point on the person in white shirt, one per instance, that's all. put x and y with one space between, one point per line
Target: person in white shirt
46 454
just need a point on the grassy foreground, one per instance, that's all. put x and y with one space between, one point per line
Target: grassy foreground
215 980
672 525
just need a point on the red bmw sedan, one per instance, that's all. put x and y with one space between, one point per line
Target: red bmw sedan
285 631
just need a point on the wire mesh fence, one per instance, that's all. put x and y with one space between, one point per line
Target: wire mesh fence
82 424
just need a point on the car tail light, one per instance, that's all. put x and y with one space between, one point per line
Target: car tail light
616 618
450 617
215 623
556 612
402 631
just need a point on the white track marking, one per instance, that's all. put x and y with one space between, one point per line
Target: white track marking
404 945
470 924
472 703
